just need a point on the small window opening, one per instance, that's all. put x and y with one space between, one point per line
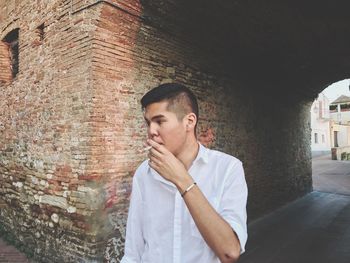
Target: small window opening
11 40
9 56
40 32
316 138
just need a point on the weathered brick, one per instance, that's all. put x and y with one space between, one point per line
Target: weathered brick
72 119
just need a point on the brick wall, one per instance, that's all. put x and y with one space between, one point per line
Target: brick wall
44 135
5 63
71 124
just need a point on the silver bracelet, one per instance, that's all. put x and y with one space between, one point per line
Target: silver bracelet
188 189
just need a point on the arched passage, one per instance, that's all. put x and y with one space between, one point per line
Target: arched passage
255 66
275 58
330 140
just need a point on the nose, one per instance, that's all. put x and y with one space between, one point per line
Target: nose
152 131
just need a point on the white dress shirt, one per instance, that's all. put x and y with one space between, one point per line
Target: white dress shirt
160 228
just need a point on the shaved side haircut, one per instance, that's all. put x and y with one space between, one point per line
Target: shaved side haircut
181 99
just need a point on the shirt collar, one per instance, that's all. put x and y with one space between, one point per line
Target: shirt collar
202 154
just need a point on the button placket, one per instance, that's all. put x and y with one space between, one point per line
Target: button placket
177 228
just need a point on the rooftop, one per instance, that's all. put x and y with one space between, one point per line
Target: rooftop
341 99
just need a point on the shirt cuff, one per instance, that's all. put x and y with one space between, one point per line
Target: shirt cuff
241 234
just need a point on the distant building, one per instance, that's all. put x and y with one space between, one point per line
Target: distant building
340 110
320 126
340 121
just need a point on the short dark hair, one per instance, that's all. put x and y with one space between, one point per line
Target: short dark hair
175 94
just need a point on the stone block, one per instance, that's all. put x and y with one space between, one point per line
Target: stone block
56 201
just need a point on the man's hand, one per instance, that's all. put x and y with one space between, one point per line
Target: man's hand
166 164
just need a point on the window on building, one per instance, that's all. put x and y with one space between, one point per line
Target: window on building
323 138
320 112
345 107
336 139
316 138
333 108
9 54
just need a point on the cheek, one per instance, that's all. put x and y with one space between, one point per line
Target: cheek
166 133
178 132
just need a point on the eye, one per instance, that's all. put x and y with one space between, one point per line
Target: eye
159 122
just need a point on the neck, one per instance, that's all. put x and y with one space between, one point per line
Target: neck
189 153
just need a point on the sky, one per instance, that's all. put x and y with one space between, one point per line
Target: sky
337 89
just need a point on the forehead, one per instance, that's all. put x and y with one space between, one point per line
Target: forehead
157 108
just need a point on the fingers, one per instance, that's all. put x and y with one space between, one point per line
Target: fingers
154 153
157 156
160 148
154 164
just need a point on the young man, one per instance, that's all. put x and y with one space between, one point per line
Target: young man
188 203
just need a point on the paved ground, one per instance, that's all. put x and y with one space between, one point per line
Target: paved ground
330 175
9 254
315 228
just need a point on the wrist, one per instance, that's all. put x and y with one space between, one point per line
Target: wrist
183 183
188 189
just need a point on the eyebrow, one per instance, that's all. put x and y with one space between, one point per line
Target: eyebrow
156 117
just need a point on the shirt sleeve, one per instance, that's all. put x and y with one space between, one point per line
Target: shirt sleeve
134 242
234 201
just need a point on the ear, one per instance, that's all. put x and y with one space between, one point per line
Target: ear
191 120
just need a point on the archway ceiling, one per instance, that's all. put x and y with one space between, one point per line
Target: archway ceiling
294 47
